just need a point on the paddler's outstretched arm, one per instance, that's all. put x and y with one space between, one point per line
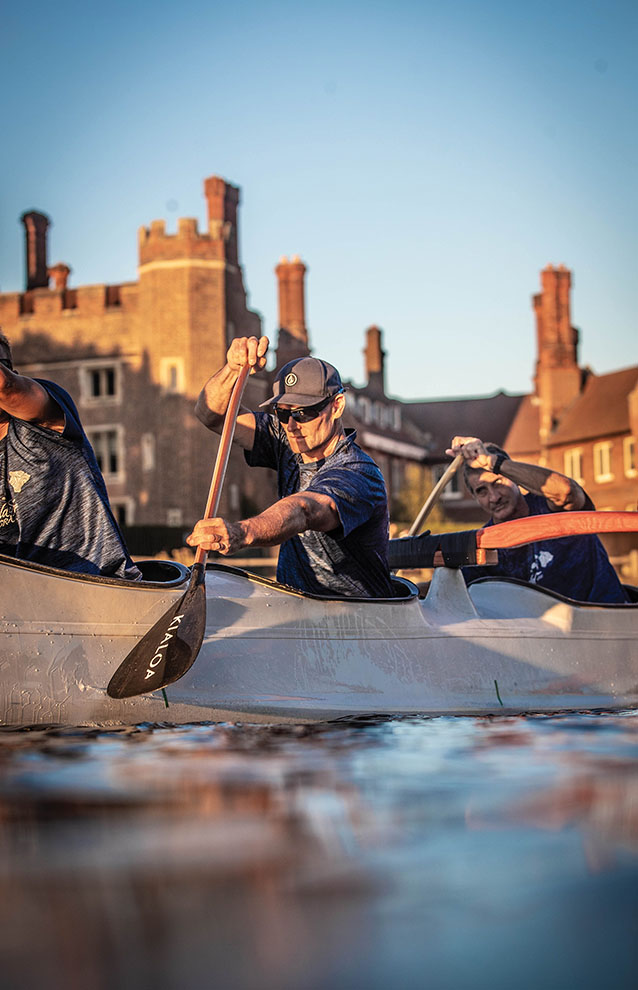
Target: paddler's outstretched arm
291 515
23 398
213 399
560 491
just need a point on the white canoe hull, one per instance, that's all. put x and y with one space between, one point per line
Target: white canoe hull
274 655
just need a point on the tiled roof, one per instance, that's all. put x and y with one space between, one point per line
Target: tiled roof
488 417
523 434
600 410
409 432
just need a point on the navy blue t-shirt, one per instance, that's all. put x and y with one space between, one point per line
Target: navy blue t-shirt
574 566
54 508
351 561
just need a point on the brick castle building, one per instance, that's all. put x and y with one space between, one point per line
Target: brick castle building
135 356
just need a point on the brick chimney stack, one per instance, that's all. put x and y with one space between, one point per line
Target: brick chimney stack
558 378
374 360
293 334
223 201
292 316
35 226
60 275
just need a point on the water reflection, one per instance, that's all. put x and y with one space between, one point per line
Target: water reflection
406 852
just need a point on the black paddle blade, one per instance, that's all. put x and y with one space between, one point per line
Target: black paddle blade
168 649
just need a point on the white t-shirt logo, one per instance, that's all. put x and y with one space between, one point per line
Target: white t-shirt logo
18 479
540 560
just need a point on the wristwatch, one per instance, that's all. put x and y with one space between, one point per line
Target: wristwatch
497 463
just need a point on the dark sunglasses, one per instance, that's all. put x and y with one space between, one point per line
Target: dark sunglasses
306 413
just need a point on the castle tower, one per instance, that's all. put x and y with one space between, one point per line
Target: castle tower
558 378
192 296
292 340
223 200
35 227
191 303
136 355
374 361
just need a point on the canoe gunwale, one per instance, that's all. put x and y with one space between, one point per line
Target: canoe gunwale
502 579
411 590
182 573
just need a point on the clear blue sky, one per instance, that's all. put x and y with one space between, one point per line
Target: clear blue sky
426 160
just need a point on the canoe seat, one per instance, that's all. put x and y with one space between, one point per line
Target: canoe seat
403 588
163 571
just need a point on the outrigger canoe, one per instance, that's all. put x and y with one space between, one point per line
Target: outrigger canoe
273 654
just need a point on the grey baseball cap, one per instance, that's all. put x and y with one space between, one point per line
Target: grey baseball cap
304 382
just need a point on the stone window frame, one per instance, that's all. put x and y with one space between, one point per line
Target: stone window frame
102 367
454 488
602 452
630 457
128 504
95 432
364 409
573 464
148 451
172 374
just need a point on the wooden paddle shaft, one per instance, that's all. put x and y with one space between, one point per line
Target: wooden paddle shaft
223 453
554 525
428 505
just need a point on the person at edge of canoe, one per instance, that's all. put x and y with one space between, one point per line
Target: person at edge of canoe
574 566
332 515
54 508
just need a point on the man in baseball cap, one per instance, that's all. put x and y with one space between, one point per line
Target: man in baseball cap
332 517
304 382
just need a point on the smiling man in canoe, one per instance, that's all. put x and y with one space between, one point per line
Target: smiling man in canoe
575 566
332 516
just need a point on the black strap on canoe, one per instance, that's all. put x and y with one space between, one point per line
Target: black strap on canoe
458 549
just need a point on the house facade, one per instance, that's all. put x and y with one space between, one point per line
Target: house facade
575 421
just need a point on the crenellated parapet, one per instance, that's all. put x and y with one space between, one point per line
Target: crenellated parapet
154 244
46 304
219 243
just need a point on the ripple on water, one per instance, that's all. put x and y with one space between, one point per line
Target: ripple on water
369 852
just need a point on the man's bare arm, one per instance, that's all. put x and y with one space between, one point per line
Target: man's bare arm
559 490
291 515
562 492
213 399
23 398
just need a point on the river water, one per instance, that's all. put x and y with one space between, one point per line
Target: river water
407 852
